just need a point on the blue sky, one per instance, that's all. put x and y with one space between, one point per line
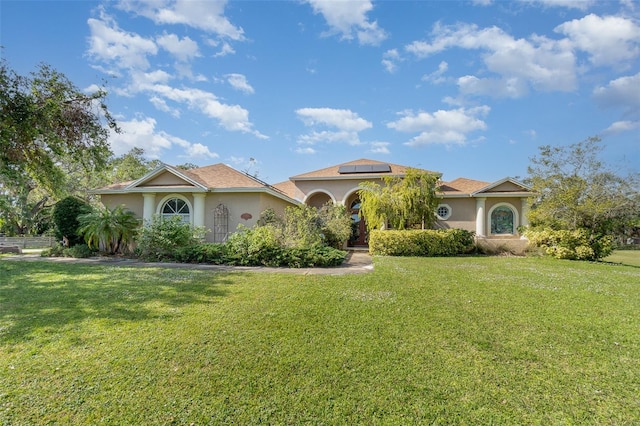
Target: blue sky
466 88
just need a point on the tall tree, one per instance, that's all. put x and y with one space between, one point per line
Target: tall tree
575 190
44 117
401 201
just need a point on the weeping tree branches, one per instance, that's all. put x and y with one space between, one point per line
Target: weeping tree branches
400 202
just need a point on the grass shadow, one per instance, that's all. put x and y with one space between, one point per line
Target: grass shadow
50 297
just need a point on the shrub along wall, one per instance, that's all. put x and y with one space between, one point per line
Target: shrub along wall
442 242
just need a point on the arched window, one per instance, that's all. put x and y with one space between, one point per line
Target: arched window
502 220
176 207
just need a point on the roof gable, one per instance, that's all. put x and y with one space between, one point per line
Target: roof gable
503 186
165 176
462 186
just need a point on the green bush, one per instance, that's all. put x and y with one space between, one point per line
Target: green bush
580 244
56 251
446 242
212 253
79 251
160 239
254 246
65 217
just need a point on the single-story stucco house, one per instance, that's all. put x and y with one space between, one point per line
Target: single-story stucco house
220 198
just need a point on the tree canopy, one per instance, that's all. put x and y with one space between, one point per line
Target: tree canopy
400 201
575 190
44 118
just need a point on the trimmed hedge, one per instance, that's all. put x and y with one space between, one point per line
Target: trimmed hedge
427 242
292 257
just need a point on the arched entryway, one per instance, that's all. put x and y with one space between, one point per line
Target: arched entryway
359 236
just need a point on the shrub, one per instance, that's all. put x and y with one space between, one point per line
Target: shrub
335 225
65 218
254 246
447 242
580 244
111 231
212 253
79 251
161 238
56 251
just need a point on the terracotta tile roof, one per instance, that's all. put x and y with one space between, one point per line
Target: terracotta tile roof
462 186
287 187
221 176
332 171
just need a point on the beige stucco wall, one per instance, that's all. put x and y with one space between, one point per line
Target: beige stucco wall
339 188
463 214
164 179
133 202
237 204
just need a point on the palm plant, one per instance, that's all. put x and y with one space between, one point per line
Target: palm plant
110 231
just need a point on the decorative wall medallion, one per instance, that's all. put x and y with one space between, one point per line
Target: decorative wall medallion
246 216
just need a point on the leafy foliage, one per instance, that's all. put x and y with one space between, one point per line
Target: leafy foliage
574 190
426 242
400 202
44 117
578 244
109 230
65 217
159 240
306 226
577 196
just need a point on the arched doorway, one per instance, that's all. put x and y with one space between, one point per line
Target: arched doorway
359 236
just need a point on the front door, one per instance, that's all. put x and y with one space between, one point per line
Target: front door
358 226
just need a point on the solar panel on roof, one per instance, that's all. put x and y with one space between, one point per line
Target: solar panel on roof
364 168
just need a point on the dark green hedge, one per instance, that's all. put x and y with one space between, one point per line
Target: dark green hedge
428 242
292 257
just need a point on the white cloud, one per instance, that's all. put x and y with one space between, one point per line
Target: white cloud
482 2
349 19
502 88
571 4
441 127
330 136
437 75
182 49
142 133
622 126
239 82
231 117
161 105
204 15
119 48
225 49
390 60
608 40
622 92
343 119
344 126
306 150
379 147
539 62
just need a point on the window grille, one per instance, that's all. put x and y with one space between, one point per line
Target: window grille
220 224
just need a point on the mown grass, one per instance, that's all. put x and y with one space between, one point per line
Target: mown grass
625 257
486 340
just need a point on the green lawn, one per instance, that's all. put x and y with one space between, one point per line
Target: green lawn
475 340
625 257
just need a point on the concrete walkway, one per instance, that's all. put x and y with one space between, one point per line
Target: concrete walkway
357 262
